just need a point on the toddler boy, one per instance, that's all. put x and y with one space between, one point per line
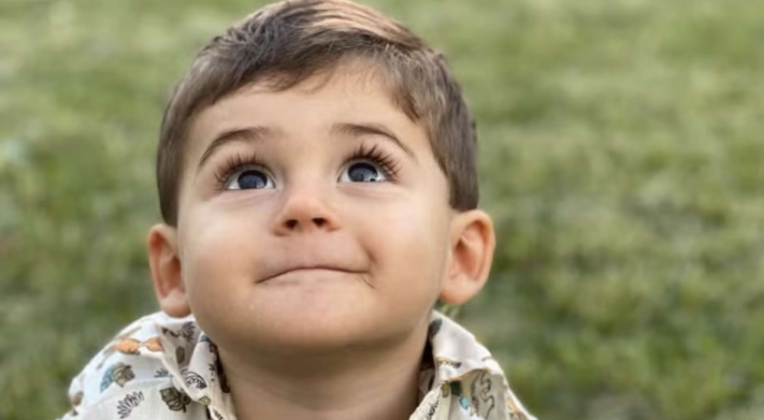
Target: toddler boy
318 188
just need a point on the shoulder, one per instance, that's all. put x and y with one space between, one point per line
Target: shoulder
136 373
469 375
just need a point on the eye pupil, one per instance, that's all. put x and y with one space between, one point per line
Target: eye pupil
252 180
363 172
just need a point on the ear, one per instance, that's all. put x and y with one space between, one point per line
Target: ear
165 269
473 242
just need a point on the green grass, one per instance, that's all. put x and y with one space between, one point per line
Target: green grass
622 158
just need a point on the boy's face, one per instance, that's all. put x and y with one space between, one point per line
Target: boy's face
314 217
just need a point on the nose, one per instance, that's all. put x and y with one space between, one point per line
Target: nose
305 210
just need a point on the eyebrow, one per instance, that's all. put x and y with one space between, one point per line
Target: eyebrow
258 133
249 134
371 129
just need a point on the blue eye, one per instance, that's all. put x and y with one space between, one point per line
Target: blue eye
249 179
363 171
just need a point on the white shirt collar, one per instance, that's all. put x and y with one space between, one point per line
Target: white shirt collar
461 380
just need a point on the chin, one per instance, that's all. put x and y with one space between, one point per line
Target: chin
308 317
318 325
317 331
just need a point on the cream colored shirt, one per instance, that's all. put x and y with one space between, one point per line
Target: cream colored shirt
161 367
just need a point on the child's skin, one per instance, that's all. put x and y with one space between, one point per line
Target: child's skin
317 288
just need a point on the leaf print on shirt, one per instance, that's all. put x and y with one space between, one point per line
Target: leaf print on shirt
218 367
171 333
434 328
153 344
516 415
187 331
126 405
109 350
175 400
180 355
447 362
77 398
223 379
128 346
482 399
194 380
432 410
119 373
445 390
456 388
514 411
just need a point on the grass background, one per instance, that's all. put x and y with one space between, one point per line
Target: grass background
622 159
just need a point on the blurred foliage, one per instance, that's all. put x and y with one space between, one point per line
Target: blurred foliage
622 159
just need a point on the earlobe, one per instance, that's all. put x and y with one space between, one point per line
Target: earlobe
473 242
166 271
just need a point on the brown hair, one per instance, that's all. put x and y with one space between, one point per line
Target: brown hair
286 43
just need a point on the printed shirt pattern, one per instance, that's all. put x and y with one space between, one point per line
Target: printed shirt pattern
166 368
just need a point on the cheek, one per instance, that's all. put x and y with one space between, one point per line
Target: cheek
217 252
410 242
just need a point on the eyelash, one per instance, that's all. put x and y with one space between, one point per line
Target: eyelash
234 164
387 162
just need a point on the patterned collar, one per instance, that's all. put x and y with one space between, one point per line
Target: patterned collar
177 367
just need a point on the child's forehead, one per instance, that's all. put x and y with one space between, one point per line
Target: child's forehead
349 93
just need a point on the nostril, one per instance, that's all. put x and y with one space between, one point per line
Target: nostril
297 224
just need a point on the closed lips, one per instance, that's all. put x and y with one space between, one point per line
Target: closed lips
305 268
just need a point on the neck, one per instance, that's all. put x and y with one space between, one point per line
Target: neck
359 383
